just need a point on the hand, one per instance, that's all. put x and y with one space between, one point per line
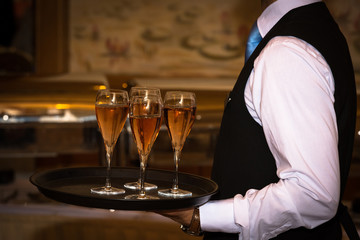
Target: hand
182 216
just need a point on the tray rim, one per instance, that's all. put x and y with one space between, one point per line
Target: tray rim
142 205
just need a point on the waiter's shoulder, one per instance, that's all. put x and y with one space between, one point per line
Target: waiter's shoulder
283 48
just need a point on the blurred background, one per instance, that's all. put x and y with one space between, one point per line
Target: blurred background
55 55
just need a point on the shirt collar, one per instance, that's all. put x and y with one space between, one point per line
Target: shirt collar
273 13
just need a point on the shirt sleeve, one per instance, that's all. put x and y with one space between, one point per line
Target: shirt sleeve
290 93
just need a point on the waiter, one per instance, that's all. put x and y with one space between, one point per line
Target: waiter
287 132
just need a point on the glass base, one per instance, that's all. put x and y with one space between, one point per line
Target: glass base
179 193
107 191
140 197
136 186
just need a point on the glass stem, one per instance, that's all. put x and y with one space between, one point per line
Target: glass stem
143 163
109 151
175 187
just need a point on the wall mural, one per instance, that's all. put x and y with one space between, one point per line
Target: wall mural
175 37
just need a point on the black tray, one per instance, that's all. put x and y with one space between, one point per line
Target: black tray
72 186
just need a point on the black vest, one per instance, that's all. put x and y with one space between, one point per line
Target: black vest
242 157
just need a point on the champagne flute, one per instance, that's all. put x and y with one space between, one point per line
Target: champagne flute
145 115
179 115
111 108
137 185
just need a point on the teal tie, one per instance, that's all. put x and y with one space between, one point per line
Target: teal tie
253 40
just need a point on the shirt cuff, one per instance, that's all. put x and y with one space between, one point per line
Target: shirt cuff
218 216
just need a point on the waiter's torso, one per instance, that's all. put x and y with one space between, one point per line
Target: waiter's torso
242 158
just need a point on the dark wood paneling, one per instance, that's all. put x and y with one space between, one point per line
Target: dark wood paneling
51 36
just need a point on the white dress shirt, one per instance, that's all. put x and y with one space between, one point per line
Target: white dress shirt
290 94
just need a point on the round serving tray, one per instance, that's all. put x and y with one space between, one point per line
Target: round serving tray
72 186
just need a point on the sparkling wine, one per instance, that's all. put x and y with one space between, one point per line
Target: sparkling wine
145 130
145 120
111 120
179 121
179 115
